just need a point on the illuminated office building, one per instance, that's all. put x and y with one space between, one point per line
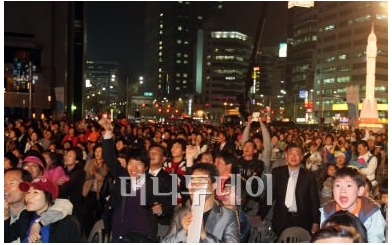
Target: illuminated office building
171 40
102 88
343 30
225 68
327 54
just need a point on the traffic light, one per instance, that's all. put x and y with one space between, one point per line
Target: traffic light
144 105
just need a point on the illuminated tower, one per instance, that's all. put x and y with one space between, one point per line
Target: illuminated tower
369 112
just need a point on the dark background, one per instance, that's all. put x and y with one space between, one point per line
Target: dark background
115 30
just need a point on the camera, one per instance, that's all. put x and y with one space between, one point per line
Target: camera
255 116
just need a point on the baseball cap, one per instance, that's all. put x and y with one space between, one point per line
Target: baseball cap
35 160
41 183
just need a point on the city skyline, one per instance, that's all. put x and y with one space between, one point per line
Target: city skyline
107 40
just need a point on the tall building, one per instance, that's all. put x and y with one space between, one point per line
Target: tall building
327 54
50 35
301 57
102 87
226 64
270 82
171 38
343 29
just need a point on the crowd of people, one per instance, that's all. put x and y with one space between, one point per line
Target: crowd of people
62 177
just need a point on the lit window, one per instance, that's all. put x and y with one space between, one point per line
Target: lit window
343 57
329 28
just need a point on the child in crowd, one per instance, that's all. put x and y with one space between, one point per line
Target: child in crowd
368 189
348 189
315 160
326 192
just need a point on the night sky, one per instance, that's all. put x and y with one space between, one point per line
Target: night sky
115 30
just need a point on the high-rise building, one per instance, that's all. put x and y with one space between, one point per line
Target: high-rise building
327 54
343 30
301 56
171 38
270 83
102 87
226 64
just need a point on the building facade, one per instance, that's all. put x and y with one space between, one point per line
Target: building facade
102 88
171 39
327 54
343 29
50 35
226 63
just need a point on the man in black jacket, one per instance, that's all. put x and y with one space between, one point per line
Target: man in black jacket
295 194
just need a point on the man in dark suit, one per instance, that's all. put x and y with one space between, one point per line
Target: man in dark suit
223 145
157 157
295 194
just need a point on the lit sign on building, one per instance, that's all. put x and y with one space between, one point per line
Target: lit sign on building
283 50
303 94
305 4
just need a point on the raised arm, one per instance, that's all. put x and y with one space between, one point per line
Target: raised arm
266 154
246 132
108 153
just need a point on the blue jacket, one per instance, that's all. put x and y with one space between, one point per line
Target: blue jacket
370 215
